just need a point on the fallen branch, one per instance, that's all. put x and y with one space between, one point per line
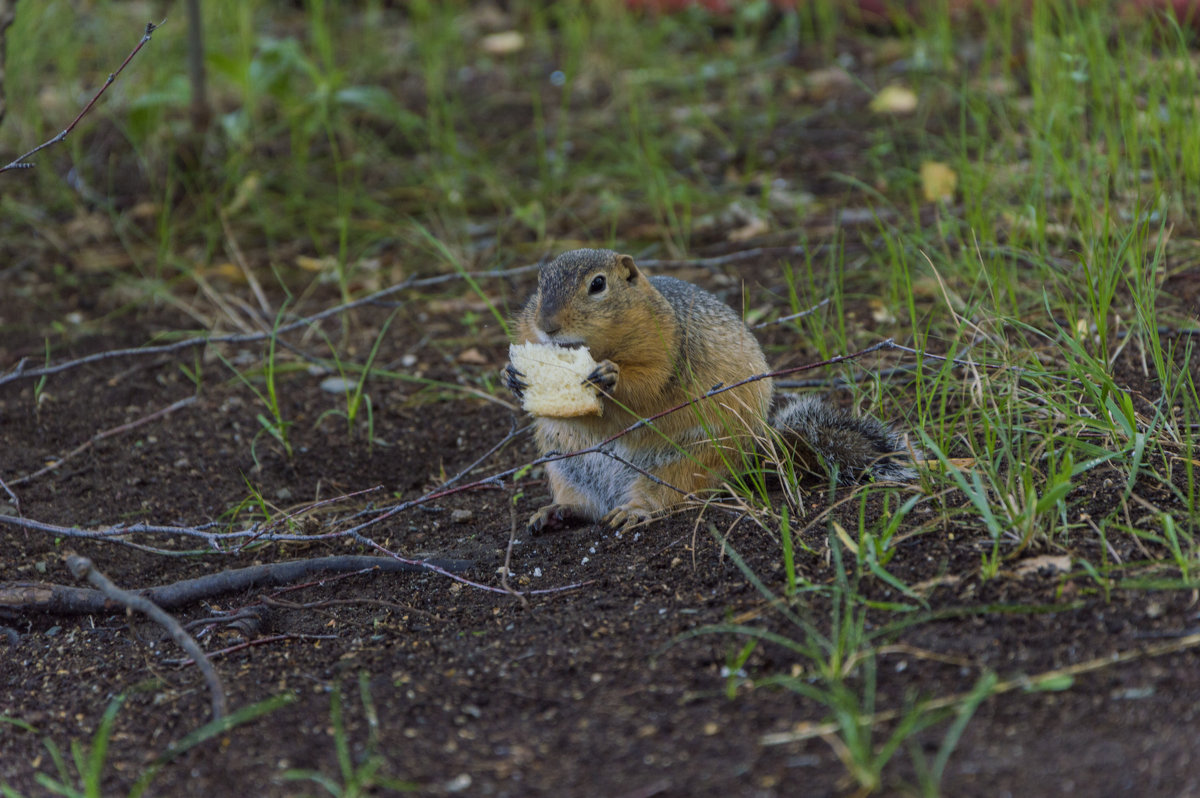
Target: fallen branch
24 597
19 162
82 568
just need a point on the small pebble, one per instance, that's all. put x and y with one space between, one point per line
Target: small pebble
337 385
459 783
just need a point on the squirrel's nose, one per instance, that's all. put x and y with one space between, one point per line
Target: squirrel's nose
549 325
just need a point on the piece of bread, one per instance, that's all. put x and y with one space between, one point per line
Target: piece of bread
555 378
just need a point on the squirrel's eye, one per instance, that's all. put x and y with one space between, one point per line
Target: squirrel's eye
597 284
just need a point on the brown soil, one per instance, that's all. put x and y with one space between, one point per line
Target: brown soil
583 691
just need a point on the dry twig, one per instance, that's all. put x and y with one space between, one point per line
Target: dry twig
258 641
19 163
506 569
82 568
8 12
21 371
16 502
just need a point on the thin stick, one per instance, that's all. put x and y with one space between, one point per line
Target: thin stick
190 343
82 568
734 257
794 316
506 569
655 479
976 364
102 435
11 495
304 509
20 371
18 163
369 602
258 641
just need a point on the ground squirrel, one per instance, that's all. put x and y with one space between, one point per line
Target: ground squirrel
660 342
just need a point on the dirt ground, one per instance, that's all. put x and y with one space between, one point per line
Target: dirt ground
582 691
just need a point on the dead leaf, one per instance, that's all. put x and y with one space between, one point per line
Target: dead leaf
881 313
88 227
1053 563
504 43
751 229
938 181
102 258
456 306
310 264
145 210
472 357
247 191
824 84
226 271
894 99
929 585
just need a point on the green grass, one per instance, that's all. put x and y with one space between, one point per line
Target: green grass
354 778
378 144
82 776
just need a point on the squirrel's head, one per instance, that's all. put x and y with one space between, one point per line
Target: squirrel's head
583 297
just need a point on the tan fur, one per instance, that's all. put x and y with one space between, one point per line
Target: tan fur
659 342
634 328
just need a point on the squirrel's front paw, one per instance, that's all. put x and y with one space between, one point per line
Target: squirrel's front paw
626 516
514 382
604 376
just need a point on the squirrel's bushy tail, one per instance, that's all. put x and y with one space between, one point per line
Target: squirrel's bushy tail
857 445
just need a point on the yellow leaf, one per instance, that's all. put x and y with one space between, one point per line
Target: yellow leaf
472 357
247 191
938 181
226 271
894 99
1049 563
505 43
311 264
880 312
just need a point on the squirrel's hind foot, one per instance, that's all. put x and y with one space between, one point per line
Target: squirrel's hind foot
625 517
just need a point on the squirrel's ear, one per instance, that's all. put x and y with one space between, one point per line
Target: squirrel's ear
627 268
